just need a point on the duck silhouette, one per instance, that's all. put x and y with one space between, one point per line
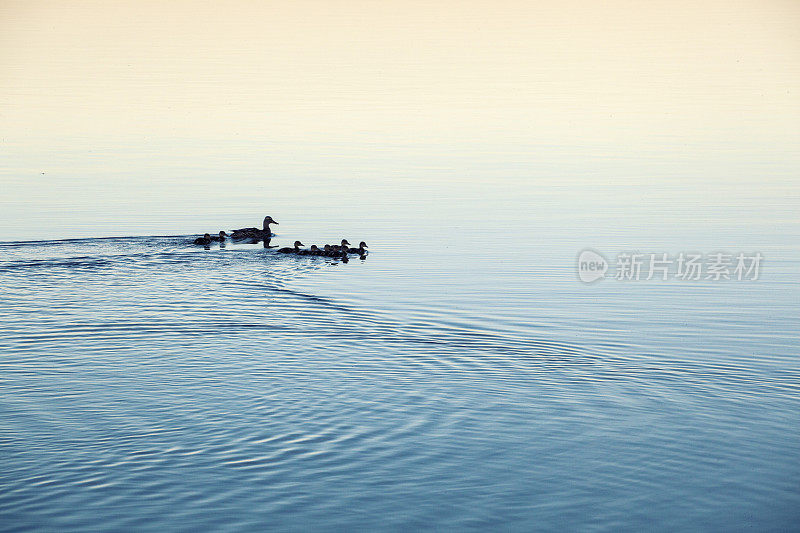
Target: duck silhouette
313 251
205 240
295 250
341 248
361 250
254 233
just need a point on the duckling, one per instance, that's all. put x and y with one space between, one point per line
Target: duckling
361 250
313 251
295 250
205 240
221 237
342 248
254 233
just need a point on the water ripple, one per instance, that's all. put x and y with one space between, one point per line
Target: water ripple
149 382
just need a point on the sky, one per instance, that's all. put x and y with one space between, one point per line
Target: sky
106 85
397 71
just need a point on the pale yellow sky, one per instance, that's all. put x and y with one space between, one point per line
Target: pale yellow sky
131 117
523 72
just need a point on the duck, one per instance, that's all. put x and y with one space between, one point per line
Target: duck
335 250
341 248
361 250
221 237
254 233
295 250
205 240
313 251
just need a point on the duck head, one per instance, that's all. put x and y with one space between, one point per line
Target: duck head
314 248
345 243
362 245
222 235
298 244
267 221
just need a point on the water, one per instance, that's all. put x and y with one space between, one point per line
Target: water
150 384
461 378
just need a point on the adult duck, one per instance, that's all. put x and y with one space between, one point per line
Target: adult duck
254 233
295 250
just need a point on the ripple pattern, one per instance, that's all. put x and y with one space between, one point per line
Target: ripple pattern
146 385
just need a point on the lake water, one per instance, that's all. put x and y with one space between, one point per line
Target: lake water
460 377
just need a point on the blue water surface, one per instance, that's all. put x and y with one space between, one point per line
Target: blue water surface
150 384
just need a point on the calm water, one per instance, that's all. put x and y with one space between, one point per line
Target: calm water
458 378
461 378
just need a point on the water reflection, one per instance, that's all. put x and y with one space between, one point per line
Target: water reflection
322 397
